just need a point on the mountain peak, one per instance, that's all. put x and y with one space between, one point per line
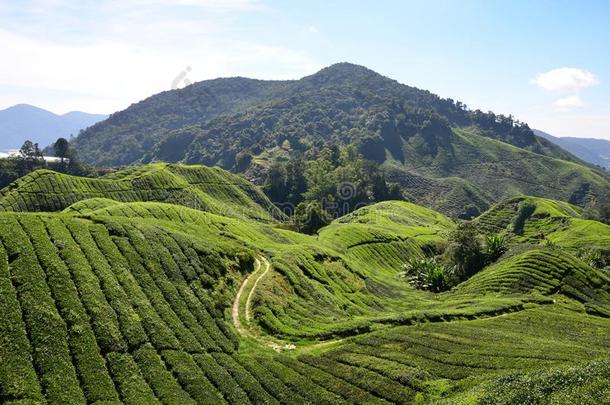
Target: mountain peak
341 72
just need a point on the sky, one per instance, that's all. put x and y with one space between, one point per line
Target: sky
545 62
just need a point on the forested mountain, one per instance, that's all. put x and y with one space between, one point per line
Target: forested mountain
240 113
594 151
25 122
440 153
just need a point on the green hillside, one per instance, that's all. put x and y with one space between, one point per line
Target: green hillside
439 152
199 187
118 299
543 221
471 169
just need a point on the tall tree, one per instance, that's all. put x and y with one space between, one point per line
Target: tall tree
296 182
28 150
275 184
61 148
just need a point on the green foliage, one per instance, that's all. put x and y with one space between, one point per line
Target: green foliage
427 274
30 151
433 151
598 258
525 211
495 247
128 302
61 148
206 189
339 179
310 217
465 250
558 385
604 214
343 102
275 185
31 159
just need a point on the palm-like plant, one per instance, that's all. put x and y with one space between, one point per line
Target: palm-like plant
495 246
428 274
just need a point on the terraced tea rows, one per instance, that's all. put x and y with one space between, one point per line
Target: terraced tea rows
130 302
207 189
556 221
91 294
546 272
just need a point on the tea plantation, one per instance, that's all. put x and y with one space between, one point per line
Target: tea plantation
171 284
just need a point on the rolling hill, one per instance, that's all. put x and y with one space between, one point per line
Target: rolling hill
22 122
209 189
117 294
441 154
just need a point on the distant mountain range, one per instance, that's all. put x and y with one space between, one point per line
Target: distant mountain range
594 151
22 122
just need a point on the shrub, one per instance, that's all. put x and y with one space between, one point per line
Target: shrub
526 209
594 257
465 251
309 218
427 274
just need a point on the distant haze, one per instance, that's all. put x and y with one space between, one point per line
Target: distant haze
25 122
595 151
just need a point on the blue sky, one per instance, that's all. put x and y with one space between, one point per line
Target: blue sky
545 62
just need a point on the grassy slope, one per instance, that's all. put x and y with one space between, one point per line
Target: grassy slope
113 301
471 169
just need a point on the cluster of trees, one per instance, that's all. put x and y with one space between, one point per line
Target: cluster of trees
31 158
336 182
467 253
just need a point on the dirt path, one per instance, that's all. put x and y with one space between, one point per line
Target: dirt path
245 330
249 300
235 310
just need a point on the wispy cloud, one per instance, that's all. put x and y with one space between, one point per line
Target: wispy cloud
569 102
565 79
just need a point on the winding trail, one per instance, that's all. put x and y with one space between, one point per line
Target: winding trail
235 310
244 311
246 330
251 294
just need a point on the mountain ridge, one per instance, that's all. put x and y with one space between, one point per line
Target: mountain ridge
239 93
592 150
23 122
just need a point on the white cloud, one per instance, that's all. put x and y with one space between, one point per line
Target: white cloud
565 79
568 102
101 56
312 29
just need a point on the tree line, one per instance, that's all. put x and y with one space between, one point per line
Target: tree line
31 158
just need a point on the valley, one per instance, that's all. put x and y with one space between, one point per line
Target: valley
183 284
